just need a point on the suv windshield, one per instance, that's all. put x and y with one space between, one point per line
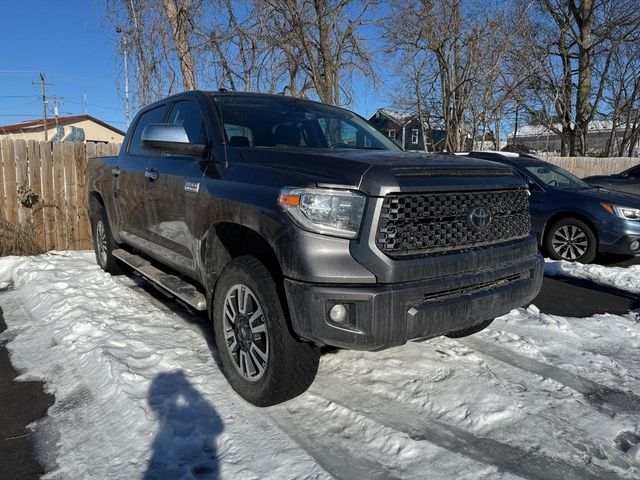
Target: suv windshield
554 176
272 122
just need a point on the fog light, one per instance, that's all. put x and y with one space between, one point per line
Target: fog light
338 313
635 245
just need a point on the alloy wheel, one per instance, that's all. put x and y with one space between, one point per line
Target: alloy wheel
570 242
245 331
101 242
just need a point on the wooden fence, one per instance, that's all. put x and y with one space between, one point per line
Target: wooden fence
43 191
588 166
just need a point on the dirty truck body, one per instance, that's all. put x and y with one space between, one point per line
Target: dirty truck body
314 224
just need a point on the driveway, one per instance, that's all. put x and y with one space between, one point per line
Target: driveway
458 407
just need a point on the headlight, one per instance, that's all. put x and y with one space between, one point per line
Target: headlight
627 213
320 210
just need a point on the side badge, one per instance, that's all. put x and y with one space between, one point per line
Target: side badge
192 187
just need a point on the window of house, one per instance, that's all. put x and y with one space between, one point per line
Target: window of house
391 134
415 136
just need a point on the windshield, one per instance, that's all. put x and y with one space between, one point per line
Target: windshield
272 122
554 176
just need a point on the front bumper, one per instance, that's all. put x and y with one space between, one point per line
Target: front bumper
621 246
382 316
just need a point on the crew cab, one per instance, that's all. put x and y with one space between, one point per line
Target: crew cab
297 225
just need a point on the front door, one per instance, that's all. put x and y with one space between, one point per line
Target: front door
173 194
131 184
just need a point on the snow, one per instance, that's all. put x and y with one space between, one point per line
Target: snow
139 394
627 278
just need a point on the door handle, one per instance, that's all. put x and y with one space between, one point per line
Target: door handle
115 171
151 175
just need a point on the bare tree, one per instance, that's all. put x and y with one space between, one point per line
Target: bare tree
242 53
181 17
567 50
622 98
143 27
458 40
321 43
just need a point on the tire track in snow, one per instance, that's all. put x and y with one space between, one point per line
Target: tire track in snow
602 397
506 457
336 461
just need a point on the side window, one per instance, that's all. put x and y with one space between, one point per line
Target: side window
339 132
238 135
635 173
155 115
188 115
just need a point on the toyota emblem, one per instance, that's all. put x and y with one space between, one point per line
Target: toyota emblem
480 217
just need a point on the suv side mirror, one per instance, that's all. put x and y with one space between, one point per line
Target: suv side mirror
170 138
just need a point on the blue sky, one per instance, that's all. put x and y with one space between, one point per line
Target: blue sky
71 43
75 47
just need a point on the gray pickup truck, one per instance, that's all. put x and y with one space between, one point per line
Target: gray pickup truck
297 225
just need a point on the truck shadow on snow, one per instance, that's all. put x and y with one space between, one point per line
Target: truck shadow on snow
185 445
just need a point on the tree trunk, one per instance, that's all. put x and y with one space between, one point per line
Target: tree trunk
181 26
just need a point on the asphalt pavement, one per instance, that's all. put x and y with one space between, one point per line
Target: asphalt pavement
21 403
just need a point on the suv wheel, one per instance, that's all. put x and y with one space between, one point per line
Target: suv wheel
260 357
572 240
104 244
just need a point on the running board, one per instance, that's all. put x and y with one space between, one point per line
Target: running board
172 284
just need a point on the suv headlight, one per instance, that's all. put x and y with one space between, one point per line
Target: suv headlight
628 213
326 211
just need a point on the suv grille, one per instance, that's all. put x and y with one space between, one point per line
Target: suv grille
412 224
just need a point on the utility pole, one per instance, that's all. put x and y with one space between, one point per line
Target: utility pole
44 104
126 73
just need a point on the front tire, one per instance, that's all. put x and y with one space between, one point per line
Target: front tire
104 244
260 357
572 240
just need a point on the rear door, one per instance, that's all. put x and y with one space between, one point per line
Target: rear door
130 183
173 194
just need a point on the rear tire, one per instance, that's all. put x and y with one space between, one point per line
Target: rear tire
572 240
469 331
260 357
104 244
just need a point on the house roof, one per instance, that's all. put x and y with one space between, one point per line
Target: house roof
541 130
397 117
35 125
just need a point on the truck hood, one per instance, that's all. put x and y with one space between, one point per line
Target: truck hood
377 173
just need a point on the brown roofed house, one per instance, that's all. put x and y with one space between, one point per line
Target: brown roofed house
74 128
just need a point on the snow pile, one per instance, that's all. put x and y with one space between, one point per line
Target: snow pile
623 278
137 390
138 394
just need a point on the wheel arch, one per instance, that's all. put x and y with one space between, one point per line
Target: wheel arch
570 214
95 202
228 240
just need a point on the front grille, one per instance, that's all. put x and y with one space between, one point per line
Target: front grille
425 223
